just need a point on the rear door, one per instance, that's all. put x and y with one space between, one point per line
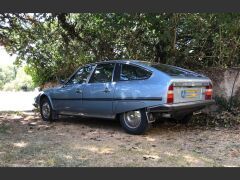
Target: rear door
98 93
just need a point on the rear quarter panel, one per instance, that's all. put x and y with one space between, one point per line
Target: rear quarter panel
137 94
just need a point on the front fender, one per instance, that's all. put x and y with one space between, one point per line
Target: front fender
42 95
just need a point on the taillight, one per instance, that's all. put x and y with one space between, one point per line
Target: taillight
208 92
170 95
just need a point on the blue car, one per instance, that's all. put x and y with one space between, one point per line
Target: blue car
135 92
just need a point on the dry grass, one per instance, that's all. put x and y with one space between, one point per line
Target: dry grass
25 140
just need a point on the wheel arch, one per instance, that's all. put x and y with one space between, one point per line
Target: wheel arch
44 95
125 106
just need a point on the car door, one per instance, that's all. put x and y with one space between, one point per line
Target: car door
68 98
98 93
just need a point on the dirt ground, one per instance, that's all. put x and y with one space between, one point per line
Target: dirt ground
25 140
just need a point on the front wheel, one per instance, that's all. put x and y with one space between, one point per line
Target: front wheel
134 122
46 110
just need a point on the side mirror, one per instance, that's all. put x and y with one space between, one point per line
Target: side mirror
61 82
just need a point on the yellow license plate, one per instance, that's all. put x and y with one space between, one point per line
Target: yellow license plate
191 93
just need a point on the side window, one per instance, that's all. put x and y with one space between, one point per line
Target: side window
103 73
81 76
130 72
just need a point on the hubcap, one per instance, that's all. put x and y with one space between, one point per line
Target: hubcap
132 119
45 110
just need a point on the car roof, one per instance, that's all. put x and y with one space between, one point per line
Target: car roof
148 65
127 61
119 61
143 64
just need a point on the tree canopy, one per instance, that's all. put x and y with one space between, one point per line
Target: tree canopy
53 45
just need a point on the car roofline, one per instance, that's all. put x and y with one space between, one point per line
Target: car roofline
141 63
118 61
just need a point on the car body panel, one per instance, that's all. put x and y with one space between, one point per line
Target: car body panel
98 99
68 99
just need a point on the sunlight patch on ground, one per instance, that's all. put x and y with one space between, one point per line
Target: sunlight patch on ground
169 154
101 150
150 139
229 166
28 118
20 144
67 156
1 153
191 159
16 117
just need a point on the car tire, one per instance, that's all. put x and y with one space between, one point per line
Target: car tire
134 122
46 109
185 119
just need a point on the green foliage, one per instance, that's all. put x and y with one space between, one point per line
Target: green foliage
7 74
53 45
21 82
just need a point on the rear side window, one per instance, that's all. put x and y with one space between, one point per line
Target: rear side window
130 72
103 73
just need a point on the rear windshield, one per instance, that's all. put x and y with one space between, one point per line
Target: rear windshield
168 69
173 71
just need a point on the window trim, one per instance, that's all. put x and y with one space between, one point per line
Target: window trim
113 72
135 65
90 75
76 71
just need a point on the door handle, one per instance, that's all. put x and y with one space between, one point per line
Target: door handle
106 90
79 91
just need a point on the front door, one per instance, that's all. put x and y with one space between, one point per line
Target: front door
68 98
98 93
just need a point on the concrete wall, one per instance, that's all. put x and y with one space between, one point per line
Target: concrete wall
223 80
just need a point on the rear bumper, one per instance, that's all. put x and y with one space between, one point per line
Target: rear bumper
180 107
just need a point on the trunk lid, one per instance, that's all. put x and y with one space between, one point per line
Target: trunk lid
188 86
189 91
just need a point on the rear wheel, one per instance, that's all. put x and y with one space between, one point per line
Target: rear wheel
134 122
46 110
